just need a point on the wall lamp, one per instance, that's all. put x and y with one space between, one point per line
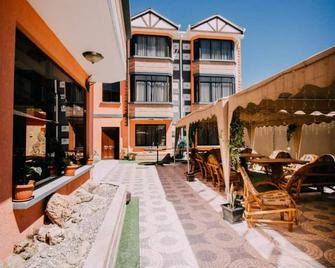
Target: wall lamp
92 56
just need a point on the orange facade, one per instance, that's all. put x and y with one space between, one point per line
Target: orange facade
19 14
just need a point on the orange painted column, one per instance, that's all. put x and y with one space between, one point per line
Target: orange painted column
89 124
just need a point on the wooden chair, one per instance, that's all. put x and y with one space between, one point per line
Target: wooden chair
290 169
216 173
258 205
201 162
319 174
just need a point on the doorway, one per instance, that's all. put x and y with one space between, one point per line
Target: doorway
110 143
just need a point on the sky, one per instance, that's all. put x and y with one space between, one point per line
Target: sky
279 33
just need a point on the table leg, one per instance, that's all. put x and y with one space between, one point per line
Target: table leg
277 172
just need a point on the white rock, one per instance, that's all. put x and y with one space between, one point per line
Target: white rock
14 261
81 195
59 209
55 235
73 259
83 249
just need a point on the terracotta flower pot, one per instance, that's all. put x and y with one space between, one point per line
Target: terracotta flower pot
70 170
25 191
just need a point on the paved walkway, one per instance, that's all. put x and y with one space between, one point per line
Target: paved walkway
162 237
181 224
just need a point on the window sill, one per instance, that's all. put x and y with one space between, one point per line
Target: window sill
154 103
152 58
48 189
214 61
109 104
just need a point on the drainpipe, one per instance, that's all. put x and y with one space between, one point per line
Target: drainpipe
181 79
128 95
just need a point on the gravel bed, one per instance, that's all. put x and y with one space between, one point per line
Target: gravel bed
78 234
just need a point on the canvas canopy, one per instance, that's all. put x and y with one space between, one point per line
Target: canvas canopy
302 94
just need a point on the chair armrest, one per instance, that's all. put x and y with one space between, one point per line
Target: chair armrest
261 183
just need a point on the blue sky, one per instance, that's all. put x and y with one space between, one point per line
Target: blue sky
279 33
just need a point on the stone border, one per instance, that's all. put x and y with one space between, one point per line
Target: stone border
105 247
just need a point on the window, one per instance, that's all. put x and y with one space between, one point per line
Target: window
151 88
150 46
49 115
212 49
150 135
208 133
111 92
212 88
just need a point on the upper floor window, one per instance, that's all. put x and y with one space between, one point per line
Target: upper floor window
212 88
111 92
213 49
150 46
151 88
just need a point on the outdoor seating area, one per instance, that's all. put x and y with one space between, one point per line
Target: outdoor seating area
270 184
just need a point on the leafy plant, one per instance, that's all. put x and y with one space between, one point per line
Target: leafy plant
290 131
232 194
236 140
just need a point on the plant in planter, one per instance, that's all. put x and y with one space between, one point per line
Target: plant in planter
24 190
70 167
233 210
236 140
131 156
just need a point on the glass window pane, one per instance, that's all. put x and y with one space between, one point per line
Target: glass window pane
150 135
49 116
111 92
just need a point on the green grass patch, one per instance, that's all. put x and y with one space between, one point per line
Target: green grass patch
129 248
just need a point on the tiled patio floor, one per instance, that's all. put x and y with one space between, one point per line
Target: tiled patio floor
181 225
311 244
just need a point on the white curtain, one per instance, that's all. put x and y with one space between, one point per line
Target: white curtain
216 50
151 49
140 91
161 47
140 48
204 92
216 91
205 49
227 89
227 50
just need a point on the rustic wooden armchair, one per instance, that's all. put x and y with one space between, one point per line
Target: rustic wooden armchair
200 159
290 169
318 174
259 205
216 172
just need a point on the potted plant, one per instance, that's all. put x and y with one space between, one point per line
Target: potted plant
70 167
131 156
24 190
233 210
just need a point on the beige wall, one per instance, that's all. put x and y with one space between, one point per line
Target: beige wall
316 138
99 123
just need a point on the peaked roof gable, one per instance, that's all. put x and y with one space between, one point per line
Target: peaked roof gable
149 18
217 23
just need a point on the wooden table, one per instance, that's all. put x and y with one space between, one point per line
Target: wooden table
277 165
245 157
250 155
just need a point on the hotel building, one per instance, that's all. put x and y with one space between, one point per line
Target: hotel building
170 73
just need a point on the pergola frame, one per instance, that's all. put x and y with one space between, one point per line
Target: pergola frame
302 94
